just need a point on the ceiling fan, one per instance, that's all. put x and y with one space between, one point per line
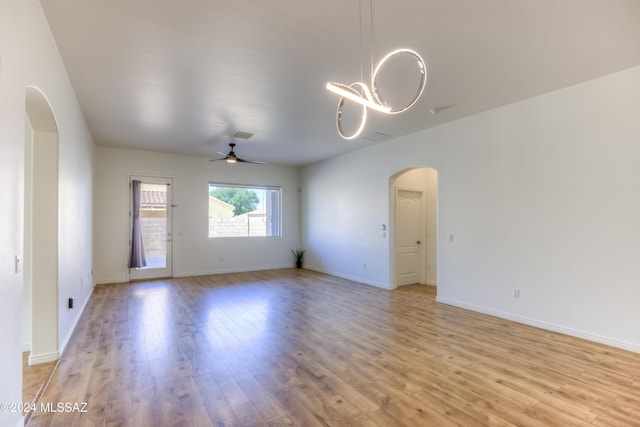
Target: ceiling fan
231 157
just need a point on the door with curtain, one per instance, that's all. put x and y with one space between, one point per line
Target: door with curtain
151 235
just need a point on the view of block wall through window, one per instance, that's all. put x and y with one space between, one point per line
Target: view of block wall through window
244 211
153 221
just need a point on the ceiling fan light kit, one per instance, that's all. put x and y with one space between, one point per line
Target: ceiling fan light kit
231 157
360 93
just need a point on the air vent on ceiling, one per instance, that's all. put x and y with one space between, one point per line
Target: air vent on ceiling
436 110
376 137
243 135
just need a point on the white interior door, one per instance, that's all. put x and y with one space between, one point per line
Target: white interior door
408 239
155 224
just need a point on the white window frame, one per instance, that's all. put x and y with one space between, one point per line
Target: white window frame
275 225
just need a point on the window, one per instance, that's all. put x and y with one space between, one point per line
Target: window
243 211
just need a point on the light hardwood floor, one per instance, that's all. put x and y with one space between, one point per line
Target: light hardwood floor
34 379
294 347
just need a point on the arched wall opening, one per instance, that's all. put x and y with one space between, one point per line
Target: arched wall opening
413 227
40 230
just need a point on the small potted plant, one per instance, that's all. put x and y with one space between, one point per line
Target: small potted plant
298 254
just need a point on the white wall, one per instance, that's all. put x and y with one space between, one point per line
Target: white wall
28 56
540 196
27 252
345 200
194 252
44 247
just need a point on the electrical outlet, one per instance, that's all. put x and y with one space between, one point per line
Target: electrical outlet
516 293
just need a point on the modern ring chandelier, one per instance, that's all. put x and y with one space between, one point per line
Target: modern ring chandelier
360 93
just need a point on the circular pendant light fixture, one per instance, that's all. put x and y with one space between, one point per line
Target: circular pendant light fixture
360 93
422 70
350 93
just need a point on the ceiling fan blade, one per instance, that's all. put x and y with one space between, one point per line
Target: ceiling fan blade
231 157
250 161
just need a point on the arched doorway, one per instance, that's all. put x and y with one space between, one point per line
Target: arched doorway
413 227
40 230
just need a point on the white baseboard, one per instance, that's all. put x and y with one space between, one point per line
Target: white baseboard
613 342
231 270
204 273
123 279
347 277
75 322
26 346
431 283
43 358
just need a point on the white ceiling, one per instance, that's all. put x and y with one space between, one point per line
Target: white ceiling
182 76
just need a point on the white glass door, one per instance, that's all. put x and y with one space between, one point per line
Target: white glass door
154 222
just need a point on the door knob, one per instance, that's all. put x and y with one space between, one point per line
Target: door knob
418 242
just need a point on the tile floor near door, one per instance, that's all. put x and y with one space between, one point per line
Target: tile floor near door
298 348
